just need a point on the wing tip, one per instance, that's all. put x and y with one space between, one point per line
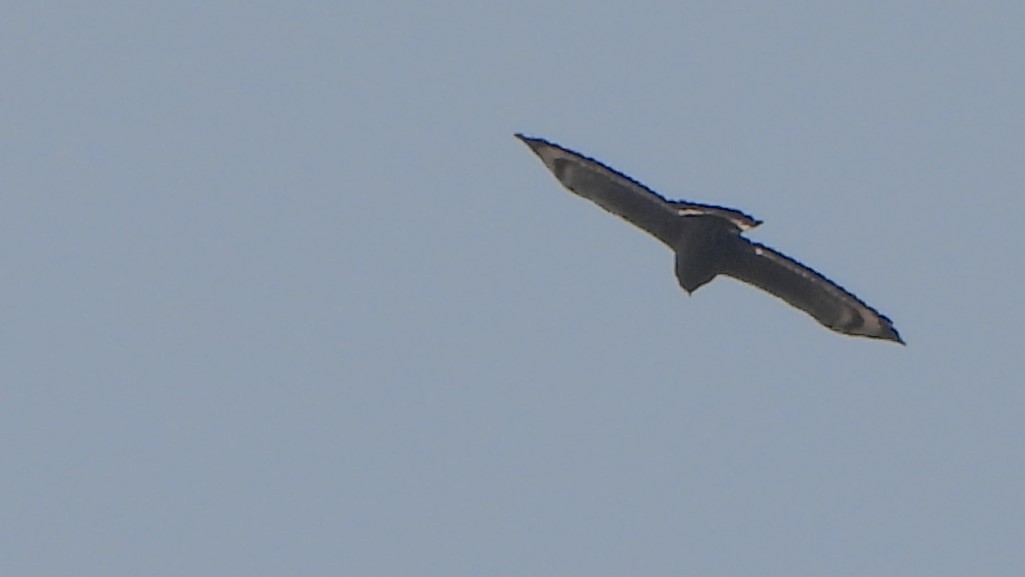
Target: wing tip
530 141
890 333
538 145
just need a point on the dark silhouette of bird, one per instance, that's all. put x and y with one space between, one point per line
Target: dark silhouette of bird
707 241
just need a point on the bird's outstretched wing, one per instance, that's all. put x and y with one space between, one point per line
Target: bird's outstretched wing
624 196
807 290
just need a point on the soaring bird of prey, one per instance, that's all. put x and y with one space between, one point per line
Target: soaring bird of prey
707 241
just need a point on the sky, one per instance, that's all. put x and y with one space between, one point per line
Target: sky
284 295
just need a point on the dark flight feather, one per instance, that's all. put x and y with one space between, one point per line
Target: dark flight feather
707 241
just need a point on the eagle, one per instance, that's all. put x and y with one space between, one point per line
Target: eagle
707 242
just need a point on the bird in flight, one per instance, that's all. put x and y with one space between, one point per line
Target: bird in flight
707 241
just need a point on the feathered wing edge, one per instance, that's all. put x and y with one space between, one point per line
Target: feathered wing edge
549 153
804 288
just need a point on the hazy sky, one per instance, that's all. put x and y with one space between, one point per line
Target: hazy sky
284 296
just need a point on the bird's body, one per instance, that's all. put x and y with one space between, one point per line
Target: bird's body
707 242
703 248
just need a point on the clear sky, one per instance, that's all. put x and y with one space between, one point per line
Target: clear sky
284 296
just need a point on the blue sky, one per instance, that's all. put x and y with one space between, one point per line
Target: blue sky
284 294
